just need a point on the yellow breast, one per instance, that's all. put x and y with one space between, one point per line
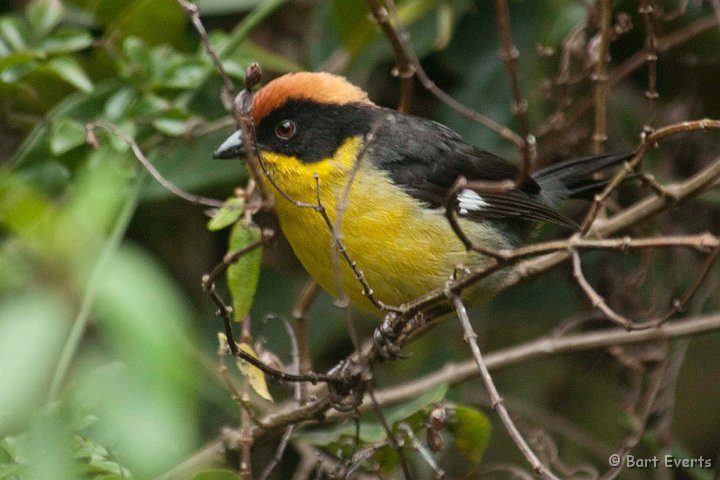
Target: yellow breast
402 248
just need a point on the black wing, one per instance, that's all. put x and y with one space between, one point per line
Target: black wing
426 159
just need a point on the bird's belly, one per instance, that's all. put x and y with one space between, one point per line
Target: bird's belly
401 249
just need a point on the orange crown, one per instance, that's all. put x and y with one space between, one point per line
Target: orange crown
317 87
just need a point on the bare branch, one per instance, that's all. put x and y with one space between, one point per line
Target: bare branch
600 76
495 399
509 55
140 156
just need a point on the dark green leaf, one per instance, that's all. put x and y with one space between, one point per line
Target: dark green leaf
184 74
353 25
15 72
172 122
472 432
356 31
12 32
44 15
401 412
149 104
66 41
224 7
370 432
118 104
139 55
155 21
4 49
13 59
243 275
35 149
66 134
70 71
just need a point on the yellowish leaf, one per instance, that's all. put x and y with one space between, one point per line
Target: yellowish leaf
254 375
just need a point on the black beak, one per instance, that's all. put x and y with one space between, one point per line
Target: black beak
232 147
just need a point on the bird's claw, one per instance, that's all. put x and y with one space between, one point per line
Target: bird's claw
384 341
350 382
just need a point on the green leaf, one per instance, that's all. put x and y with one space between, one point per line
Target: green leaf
243 275
183 74
13 59
44 15
472 432
352 25
32 329
249 52
35 149
216 475
172 122
143 320
231 211
119 103
12 32
155 21
66 41
139 55
351 21
401 412
66 134
224 7
15 72
15 448
370 432
70 71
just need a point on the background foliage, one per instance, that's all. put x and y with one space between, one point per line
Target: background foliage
107 343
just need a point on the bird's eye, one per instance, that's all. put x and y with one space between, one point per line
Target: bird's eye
285 129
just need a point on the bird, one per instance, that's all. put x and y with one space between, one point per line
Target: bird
384 179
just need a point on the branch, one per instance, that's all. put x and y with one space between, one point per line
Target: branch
541 348
140 156
403 68
509 55
600 76
495 399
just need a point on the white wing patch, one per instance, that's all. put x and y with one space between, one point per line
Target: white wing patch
470 201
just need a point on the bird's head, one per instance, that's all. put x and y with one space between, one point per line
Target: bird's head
305 117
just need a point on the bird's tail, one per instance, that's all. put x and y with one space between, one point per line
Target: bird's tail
578 178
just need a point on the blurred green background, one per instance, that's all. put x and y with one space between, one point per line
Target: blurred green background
108 365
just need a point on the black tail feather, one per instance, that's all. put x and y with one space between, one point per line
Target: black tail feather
578 178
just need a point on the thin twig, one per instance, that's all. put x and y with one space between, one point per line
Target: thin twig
496 400
140 156
278 452
648 11
509 55
646 409
649 141
441 95
600 76
598 302
403 68
395 442
300 313
634 62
